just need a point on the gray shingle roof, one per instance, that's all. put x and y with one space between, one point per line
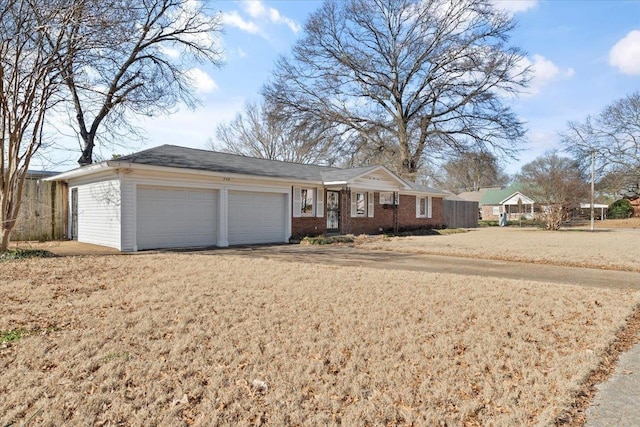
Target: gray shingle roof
206 160
191 158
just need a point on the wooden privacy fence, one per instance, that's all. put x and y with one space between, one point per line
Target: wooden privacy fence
459 214
43 211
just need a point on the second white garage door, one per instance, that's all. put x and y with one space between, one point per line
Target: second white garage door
176 217
256 217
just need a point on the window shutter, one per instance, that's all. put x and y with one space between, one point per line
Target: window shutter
370 200
429 206
297 202
319 202
417 206
354 208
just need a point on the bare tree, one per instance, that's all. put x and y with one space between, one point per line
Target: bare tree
613 137
133 57
28 84
259 132
471 171
412 78
557 184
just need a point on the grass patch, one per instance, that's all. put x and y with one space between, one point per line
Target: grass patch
25 254
12 335
117 355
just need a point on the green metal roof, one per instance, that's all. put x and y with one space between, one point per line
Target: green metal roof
495 196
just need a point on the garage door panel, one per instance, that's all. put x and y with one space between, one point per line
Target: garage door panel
175 217
256 217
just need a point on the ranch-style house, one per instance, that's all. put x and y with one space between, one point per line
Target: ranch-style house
171 197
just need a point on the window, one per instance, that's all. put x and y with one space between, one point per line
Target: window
307 196
496 210
362 204
424 206
386 198
307 202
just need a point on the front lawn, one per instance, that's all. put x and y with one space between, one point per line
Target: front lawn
211 339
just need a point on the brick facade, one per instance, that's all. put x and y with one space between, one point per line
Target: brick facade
382 220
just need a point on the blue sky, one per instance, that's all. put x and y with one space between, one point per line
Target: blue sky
585 54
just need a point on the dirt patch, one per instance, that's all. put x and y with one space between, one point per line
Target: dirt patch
195 339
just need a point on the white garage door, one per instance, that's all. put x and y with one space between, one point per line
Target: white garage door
176 217
256 217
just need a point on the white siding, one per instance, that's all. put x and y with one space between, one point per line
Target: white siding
128 196
99 207
256 217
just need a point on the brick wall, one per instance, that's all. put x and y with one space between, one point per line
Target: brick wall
487 213
407 213
381 221
308 226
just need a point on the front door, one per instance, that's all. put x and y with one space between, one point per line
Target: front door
333 211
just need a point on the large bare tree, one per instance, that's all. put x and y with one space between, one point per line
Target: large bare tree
412 78
613 138
470 171
259 132
557 184
131 57
29 81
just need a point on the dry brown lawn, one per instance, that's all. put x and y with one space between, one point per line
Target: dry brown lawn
196 339
613 248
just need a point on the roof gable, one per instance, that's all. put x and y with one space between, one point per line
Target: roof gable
496 196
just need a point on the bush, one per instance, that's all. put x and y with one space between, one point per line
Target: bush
25 253
620 209
326 240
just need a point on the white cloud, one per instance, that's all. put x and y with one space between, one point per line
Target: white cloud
255 8
544 72
234 19
202 82
625 55
242 53
515 6
261 14
277 18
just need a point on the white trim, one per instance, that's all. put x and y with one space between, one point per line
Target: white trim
429 206
370 204
297 202
319 202
354 208
223 218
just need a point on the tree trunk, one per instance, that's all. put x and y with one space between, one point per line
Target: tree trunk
87 152
6 234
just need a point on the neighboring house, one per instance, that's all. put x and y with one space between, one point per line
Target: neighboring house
171 196
496 201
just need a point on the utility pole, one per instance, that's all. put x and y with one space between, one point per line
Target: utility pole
593 173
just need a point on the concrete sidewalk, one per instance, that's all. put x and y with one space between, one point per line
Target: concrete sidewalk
617 401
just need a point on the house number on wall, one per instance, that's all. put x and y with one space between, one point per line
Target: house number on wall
226 179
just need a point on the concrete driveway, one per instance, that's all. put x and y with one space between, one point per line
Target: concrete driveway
353 256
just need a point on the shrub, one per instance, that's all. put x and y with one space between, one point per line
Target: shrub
25 253
327 240
620 209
